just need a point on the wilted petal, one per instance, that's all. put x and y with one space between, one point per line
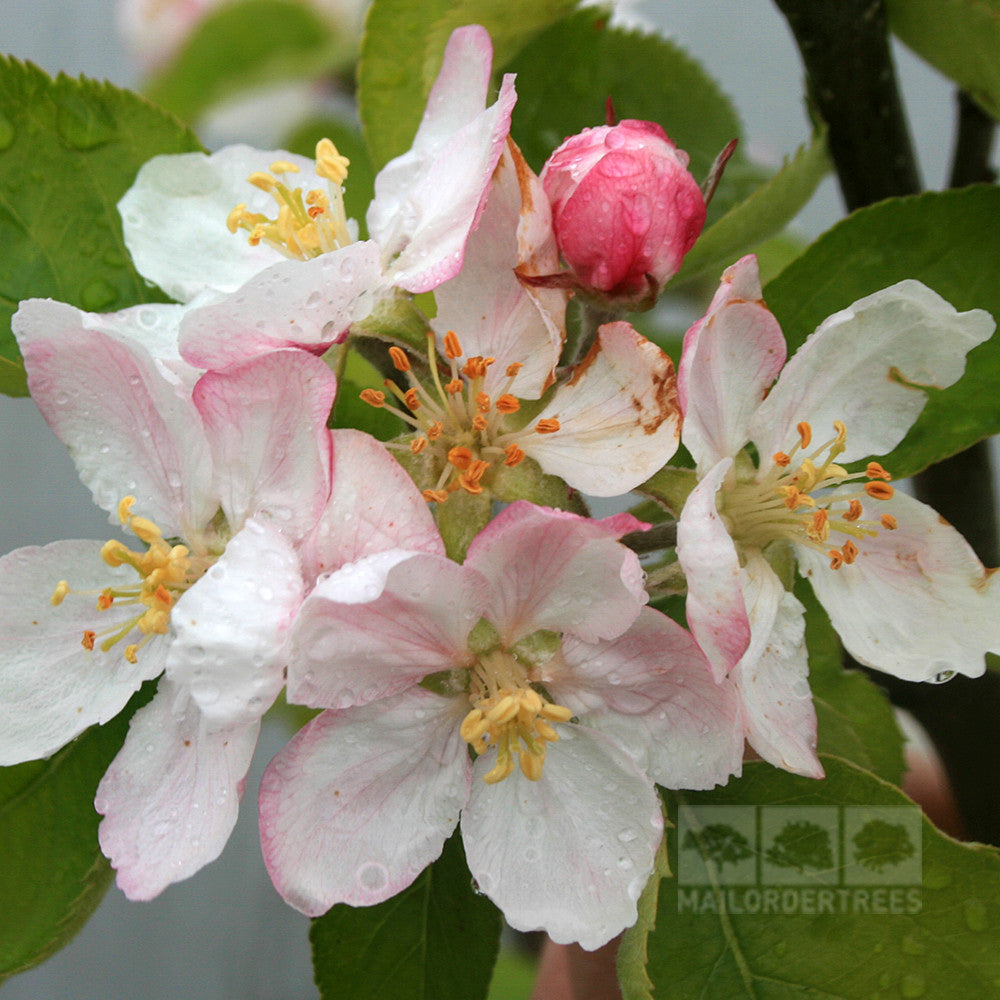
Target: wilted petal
570 853
916 601
362 800
619 416
171 796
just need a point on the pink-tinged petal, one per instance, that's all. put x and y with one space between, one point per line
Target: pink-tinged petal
619 419
491 312
428 200
772 677
652 691
374 505
716 611
171 796
362 800
729 360
266 423
51 688
230 627
866 366
130 426
916 601
306 304
570 853
380 625
549 569
174 218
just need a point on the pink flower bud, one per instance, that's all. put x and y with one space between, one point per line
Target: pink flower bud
625 209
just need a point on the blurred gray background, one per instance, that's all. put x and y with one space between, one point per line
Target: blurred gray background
225 934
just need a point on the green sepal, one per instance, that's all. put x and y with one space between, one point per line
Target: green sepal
671 487
460 518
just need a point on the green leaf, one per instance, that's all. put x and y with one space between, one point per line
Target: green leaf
242 45
403 47
960 38
766 212
69 149
950 241
855 719
436 940
53 874
646 77
632 955
866 926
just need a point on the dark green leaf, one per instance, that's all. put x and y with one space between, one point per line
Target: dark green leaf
902 911
436 940
242 45
948 240
69 149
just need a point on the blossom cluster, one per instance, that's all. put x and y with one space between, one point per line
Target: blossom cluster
484 654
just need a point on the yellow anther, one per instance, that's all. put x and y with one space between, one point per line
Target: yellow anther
841 428
59 594
879 491
531 701
531 765
818 529
283 167
114 553
399 359
125 508
781 459
503 769
454 387
144 529
836 558
373 397
435 496
473 726
514 455
547 426
235 217
261 180
557 713
854 511
513 369
105 600
411 398
469 480
875 471
805 434
452 347
130 652
508 404
460 457
435 430
850 551
889 522
806 479
417 445
330 163
88 640
479 422
546 731
482 402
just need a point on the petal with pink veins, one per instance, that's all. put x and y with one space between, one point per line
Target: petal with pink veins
171 796
570 853
619 419
362 800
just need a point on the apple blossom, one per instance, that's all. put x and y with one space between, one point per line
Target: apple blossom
181 215
625 209
225 480
902 588
605 428
536 655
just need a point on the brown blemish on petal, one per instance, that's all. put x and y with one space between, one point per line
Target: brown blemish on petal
666 405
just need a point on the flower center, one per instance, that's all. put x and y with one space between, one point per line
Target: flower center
793 500
165 572
306 224
511 715
458 425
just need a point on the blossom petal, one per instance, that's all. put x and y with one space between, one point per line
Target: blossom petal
570 853
51 688
428 200
916 601
306 304
130 426
772 677
652 691
362 800
550 569
266 423
491 312
729 360
174 218
231 625
374 505
380 625
619 416
171 796
876 354
716 612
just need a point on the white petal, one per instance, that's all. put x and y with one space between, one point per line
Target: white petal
174 218
772 676
729 361
171 796
362 800
916 601
715 609
652 691
51 688
231 625
380 625
374 505
550 569
618 414
866 365
570 853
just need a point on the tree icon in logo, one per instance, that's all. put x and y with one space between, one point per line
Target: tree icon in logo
801 845
719 843
879 845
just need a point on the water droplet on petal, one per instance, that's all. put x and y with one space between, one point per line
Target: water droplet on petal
372 876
